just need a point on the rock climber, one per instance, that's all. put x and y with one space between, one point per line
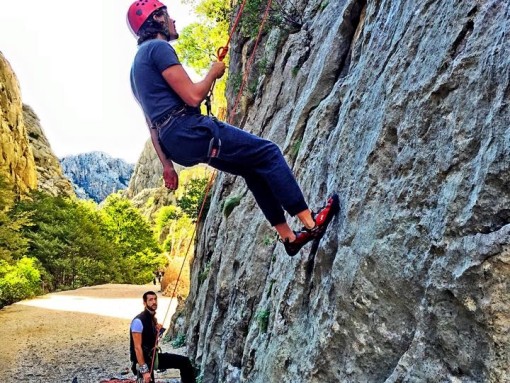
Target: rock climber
179 132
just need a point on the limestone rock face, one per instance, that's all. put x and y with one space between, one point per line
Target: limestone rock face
96 175
50 177
146 189
403 109
148 172
16 156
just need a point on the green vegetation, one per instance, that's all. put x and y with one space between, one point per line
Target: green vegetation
192 197
198 44
200 377
287 17
262 318
12 243
174 225
179 341
236 80
50 243
270 290
18 281
268 240
295 148
230 204
76 243
204 273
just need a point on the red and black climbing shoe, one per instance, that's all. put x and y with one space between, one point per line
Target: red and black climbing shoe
324 216
303 236
322 219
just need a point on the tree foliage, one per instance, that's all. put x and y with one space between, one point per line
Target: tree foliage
198 43
137 247
175 224
67 238
193 197
13 245
18 281
50 243
79 244
126 227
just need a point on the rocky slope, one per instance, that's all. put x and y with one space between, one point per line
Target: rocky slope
145 188
147 173
15 153
96 175
402 108
49 172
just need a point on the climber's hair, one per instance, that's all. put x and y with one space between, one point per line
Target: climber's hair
150 28
146 294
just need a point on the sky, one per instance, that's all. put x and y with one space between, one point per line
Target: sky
72 60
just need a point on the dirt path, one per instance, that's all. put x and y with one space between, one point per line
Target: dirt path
82 333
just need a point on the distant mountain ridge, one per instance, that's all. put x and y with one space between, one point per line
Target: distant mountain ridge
96 175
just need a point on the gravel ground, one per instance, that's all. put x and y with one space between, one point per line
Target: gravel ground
81 334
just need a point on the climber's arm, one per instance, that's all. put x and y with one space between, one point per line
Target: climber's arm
169 174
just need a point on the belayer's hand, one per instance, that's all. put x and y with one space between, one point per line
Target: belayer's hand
170 177
218 68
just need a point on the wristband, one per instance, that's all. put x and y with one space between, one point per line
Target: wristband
143 369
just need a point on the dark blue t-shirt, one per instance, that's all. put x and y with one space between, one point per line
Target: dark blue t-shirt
149 87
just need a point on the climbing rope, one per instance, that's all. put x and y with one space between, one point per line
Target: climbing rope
221 53
250 60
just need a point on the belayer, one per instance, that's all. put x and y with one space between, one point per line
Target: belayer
181 134
144 354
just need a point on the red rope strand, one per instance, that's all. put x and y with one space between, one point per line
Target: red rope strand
250 60
222 51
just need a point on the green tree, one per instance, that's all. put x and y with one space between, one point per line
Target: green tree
179 231
13 244
193 196
138 250
67 237
126 226
198 44
18 281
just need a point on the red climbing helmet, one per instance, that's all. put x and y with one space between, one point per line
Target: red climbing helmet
139 11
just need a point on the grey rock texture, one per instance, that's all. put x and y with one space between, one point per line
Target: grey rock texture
16 157
49 172
402 107
96 175
148 172
146 189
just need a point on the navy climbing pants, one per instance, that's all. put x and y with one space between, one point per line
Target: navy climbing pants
186 139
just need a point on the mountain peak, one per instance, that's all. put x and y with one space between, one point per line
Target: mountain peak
96 174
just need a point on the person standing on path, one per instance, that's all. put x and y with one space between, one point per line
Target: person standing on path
181 134
143 333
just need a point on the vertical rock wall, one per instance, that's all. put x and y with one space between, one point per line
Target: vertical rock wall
402 107
15 153
49 171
